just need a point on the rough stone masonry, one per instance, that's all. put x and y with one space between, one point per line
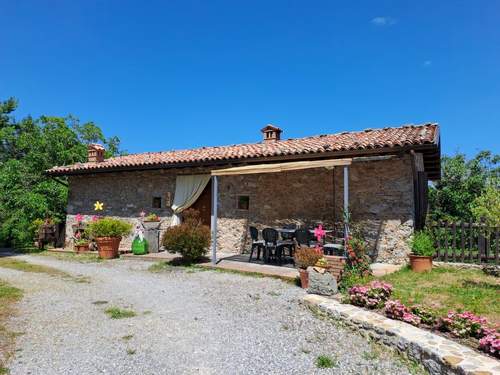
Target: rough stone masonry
380 201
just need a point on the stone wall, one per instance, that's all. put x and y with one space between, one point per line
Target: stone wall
380 196
381 204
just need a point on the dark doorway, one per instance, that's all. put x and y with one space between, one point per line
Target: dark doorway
204 204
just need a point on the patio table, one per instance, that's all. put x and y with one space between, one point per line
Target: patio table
286 230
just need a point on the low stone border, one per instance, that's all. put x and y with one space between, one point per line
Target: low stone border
462 265
436 353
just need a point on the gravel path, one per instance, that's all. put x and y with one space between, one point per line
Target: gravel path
201 322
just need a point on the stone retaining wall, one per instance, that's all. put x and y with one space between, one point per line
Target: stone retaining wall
436 353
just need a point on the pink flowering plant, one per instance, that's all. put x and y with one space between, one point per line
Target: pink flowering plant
370 296
396 310
464 324
491 343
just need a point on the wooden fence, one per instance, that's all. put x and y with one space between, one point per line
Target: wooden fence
466 242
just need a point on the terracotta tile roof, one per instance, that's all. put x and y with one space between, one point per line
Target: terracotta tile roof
390 137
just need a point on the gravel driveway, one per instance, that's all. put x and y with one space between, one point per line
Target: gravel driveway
201 322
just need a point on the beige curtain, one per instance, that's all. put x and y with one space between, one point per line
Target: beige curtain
187 190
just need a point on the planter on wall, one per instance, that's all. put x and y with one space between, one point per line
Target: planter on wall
420 263
108 247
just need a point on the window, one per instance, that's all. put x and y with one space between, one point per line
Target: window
243 202
156 202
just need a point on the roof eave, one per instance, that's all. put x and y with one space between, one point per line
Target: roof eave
426 148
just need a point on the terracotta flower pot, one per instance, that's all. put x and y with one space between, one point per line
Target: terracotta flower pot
81 248
107 247
420 263
304 278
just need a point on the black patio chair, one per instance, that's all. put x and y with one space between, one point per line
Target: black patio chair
273 246
287 239
302 237
256 243
334 246
335 242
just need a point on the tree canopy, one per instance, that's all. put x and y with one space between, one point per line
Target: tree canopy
28 147
468 189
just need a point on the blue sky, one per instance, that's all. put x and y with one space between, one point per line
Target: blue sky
178 74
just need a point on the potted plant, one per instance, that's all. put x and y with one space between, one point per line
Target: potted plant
81 245
108 233
422 251
306 257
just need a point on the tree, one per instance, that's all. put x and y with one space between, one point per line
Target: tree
462 182
27 148
487 206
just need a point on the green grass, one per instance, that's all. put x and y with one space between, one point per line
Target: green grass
127 337
324 361
447 288
170 266
21 265
73 257
8 297
117 313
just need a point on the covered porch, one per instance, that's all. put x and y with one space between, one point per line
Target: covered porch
328 165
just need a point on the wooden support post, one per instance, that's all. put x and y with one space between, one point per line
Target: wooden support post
214 219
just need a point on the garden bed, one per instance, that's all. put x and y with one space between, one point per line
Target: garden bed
444 289
458 304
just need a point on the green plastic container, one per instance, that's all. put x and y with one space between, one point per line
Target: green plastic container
139 247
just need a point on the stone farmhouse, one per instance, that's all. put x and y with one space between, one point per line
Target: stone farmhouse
379 175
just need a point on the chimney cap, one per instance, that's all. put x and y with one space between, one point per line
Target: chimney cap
271 133
269 127
96 146
95 153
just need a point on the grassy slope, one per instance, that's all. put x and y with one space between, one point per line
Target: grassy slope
447 288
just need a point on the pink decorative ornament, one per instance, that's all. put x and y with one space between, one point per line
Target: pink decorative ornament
79 218
319 233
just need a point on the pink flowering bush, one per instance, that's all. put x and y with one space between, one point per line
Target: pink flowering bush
464 324
371 296
396 310
491 343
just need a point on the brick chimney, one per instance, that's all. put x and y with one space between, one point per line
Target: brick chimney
271 133
95 153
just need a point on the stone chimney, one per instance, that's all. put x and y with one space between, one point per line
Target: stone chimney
95 153
271 133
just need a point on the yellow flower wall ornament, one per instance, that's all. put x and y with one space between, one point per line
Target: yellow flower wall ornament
98 206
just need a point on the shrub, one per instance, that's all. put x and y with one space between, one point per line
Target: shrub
491 344
190 239
306 257
422 244
464 324
357 262
396 310
108 227
371 296
426 316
